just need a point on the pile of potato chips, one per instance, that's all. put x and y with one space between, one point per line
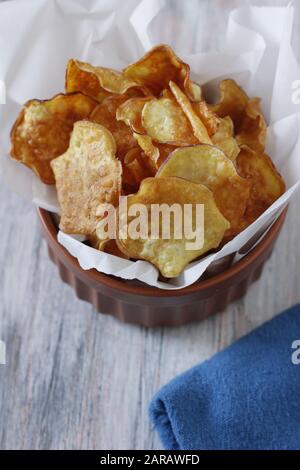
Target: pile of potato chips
148 133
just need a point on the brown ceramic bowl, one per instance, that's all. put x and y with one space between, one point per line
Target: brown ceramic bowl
135 302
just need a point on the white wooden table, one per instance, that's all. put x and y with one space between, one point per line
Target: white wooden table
78 380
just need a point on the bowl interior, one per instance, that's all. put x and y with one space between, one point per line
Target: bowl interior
219 274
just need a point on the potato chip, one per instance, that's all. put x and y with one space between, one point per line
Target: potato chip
97 82
170 255
160 65
224 138
168 94
233 102
129 181
130 113
88 175
135 169
194 92
267 184
42 131
165 122
207 116
209 166
107 246
198 127
105 114
148 133
155 154
164 151
152 152
253 129
111 247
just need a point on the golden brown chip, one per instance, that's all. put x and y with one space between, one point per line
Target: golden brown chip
111 247
197 92
253 129
249 123
130 112
105 114
194 92
135 169
233 102
160 65
97 82
156 154
209 166
107 246
164 151
165 122
224 138
168 94
267 184
207 116
151 152
88 177
198 127
171 254
132 171
42 130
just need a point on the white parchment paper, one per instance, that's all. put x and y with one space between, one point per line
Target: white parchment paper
256 52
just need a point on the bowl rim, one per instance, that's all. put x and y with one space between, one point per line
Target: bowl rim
151 291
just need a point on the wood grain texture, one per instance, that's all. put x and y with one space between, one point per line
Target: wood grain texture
78 380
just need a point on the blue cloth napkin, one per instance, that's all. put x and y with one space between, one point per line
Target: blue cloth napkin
245 397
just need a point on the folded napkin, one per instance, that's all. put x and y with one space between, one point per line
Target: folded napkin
245 397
